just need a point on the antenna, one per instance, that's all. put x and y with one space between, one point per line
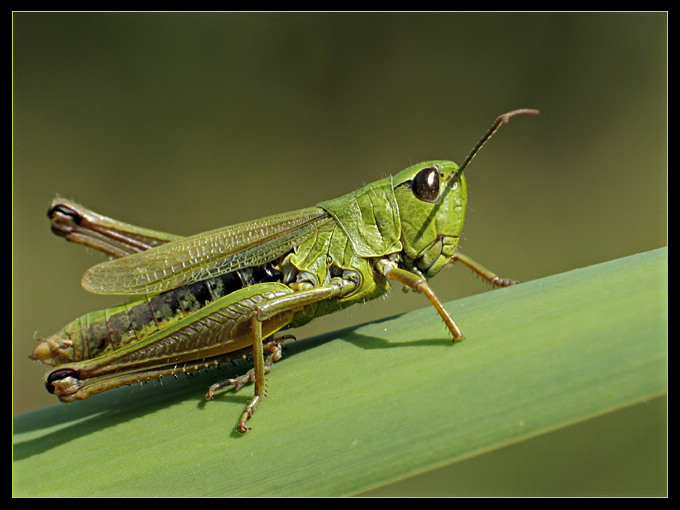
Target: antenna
502 119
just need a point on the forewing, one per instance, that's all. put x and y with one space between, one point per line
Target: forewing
205 255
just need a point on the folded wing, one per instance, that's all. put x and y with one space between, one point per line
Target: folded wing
205 255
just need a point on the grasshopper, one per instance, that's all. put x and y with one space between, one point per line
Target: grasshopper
203 300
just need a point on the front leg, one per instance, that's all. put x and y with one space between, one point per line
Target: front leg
418 283
480 270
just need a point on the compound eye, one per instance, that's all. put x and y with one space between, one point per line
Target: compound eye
425 184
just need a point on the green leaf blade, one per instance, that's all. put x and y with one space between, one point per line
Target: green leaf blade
369 405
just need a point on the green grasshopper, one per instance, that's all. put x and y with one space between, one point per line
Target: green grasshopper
217 296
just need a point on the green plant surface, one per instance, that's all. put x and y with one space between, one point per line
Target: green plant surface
363 407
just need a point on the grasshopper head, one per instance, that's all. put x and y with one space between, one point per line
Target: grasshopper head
432 197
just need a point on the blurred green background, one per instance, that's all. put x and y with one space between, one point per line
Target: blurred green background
184 122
